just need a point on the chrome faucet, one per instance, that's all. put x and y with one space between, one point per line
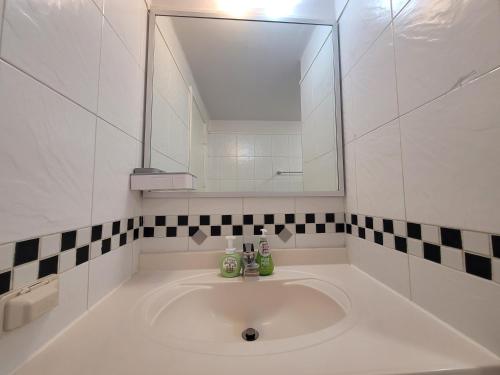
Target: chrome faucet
250 266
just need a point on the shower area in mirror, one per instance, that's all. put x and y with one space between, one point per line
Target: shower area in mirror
245 106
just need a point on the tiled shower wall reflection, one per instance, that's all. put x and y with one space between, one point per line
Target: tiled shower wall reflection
71 103
422 129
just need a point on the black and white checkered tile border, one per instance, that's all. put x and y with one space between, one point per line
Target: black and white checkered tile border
242 225
60 252
464 250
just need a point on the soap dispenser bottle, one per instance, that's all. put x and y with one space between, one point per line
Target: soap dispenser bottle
230 263
264 258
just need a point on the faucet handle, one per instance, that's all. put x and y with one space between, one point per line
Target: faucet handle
248 247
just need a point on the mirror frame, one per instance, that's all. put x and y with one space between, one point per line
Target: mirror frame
153 13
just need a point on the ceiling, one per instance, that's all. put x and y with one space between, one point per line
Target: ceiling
244 70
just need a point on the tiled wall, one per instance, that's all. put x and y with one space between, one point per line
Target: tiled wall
243 159
71 108
421 82
202 223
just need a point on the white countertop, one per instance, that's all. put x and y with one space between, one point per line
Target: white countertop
391 336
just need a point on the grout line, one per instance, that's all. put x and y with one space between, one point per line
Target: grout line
2 17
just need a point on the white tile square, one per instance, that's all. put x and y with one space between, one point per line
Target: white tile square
149 221
67 260
6 256
268 205
95 249
107 230
415 247
160 232
495 265
245 145
50 245
430 233
115 242
83 236
476 242
25 275
452 258
263 145
399 228
389 240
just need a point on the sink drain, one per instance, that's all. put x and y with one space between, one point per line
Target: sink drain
250 334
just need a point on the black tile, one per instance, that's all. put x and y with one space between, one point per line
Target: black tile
269 219
414 230
310 218
369 222
68 240
278 228
160 221
96 233
215 230
339 228
26 251
289 218
237 230
106 245
141 221
116 227
451 237
432 252
248 219
182 220
171 232
379 238
204 219
300 228
388 226
136 234
227 220
256 229
149 232
4 282
193 230
330 218
123 239
348 228
354 219
478 265
400 243
48 266
82 255
495 245
361 232
320 228
130 224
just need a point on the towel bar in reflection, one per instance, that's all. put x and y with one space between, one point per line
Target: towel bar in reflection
279 173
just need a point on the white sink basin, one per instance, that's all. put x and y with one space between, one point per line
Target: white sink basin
207 313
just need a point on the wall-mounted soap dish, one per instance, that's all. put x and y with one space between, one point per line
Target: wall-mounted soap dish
152 179
22 306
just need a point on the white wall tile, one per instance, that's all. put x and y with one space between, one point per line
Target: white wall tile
117 154
108 272
83 236
495 265
477 300
169 206
373 88
397 6
360 25
67 260
379 175
18 345
6 256
325 240
450 158
25 275
451 257
268 205
46 157
59 45
129 19
50 245
435 55
121 85
245 145
208 206
386 265
263 145
161 245
319 204
351 199
476 242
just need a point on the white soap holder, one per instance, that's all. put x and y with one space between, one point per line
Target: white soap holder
22 306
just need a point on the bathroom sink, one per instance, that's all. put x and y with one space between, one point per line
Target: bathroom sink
208 314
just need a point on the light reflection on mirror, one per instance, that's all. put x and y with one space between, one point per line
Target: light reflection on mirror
245 106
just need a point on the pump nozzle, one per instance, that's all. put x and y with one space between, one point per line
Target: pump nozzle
263 232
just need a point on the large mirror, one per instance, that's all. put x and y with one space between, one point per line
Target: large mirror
245 106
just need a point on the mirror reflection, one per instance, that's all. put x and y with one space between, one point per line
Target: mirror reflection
245 106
